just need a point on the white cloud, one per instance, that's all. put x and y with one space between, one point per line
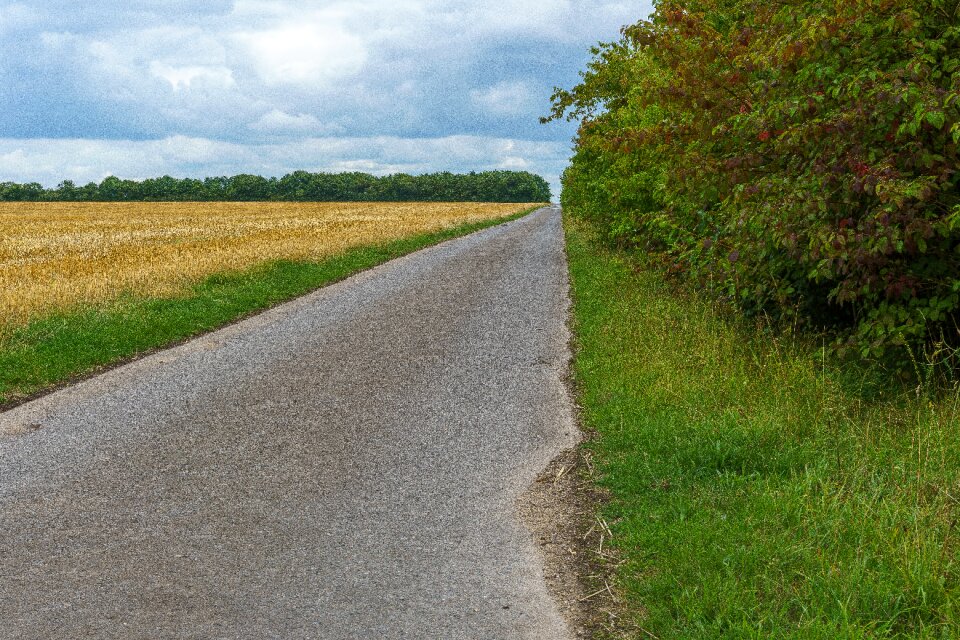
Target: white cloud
306 54
182 77
277 121
180 150
16 16
519 15
13 158
367 166
514 163
509 98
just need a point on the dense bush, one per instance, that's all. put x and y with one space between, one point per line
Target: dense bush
799 156
486 186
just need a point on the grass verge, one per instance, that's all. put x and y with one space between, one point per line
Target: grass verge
757 491
62 347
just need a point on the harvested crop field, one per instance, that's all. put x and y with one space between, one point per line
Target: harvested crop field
56 256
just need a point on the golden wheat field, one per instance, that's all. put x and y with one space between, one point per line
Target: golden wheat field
54 256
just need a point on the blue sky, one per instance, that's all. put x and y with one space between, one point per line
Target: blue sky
142 88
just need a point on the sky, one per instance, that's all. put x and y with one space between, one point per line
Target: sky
144 88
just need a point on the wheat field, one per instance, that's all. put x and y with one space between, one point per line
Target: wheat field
56 256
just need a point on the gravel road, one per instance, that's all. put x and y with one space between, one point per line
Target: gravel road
342 466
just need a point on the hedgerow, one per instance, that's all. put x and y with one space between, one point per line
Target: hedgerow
798 157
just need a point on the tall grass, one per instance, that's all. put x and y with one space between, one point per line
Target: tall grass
758 490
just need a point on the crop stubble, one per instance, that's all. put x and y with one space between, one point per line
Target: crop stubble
57 256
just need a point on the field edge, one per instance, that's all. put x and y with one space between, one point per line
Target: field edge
61 349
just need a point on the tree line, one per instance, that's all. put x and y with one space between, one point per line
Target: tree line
485 186
797 158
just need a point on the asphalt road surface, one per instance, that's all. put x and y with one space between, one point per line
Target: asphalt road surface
343 466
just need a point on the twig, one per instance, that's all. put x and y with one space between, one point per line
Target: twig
587 534
606 556
606 528
585 598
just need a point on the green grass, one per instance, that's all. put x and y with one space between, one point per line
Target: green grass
60 347
756 491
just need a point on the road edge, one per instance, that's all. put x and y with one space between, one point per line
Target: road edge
96 371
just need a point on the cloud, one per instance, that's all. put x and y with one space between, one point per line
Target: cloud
311 54
514 163
182 77
179 151
277 121
16 16
142 76
508 98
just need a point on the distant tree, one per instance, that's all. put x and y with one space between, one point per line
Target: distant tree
302 186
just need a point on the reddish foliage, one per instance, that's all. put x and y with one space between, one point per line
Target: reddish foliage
802 154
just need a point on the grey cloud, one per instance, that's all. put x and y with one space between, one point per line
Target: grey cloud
251 73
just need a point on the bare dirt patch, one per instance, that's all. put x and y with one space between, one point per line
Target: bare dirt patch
560 510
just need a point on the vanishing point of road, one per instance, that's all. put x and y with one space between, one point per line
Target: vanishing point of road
345 465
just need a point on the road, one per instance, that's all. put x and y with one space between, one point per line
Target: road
343 466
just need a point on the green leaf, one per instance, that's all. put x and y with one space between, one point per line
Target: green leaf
936 119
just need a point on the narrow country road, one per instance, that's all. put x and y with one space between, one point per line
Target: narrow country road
343 466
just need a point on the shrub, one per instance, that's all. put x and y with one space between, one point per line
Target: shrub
798 157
